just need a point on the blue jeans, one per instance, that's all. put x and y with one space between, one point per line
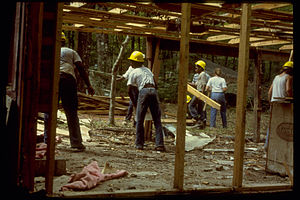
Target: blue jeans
220 98
148 98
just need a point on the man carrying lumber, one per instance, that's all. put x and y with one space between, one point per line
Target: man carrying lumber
133 94
196 106
69 59
143 78
218 86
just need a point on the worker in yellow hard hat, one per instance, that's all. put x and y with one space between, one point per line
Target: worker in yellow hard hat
136 60
63 36
69 60
282 84
281 87
196 106
289 65
137 56
143 78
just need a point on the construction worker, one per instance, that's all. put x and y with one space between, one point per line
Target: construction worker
143 78
217 86
196 106
69 59
282 86
282 83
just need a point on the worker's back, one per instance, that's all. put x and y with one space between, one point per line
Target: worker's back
279 87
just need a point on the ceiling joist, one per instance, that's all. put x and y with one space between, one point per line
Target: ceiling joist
217 22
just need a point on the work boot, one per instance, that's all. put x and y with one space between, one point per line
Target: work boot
79 147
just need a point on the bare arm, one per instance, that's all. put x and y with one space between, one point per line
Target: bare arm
85 77
270 92
289 86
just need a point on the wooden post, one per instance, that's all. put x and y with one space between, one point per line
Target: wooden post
156 62
257 97
243 65
149 54
154 65
182 91
30 86
53 64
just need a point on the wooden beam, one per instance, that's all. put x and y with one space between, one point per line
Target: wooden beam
55 34
203 97
182 81
243 65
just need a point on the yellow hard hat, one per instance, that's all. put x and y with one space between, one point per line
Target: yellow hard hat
188 98
201 63
137 56
63 36
288 64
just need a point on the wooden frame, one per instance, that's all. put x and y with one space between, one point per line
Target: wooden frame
185 43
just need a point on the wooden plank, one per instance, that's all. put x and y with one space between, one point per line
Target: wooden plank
174 121
257 97
203 97
242 81
181 111
281 139
203 192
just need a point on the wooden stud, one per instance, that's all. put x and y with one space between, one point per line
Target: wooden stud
30 93
56 35
242 81
182 82
156 62
257 97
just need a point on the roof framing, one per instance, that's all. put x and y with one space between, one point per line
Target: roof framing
217 22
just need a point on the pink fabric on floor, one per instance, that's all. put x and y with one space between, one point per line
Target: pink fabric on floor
89 177
40 150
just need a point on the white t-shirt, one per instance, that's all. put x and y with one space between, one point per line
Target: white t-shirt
129 70
202 80
127 73
279 89
67 59
217 84
140 76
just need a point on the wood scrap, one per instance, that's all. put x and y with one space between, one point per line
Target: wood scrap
203 97
100 104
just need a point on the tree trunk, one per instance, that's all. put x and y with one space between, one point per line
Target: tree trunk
113 84
84 41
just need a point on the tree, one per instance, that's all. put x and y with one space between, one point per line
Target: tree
113 83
